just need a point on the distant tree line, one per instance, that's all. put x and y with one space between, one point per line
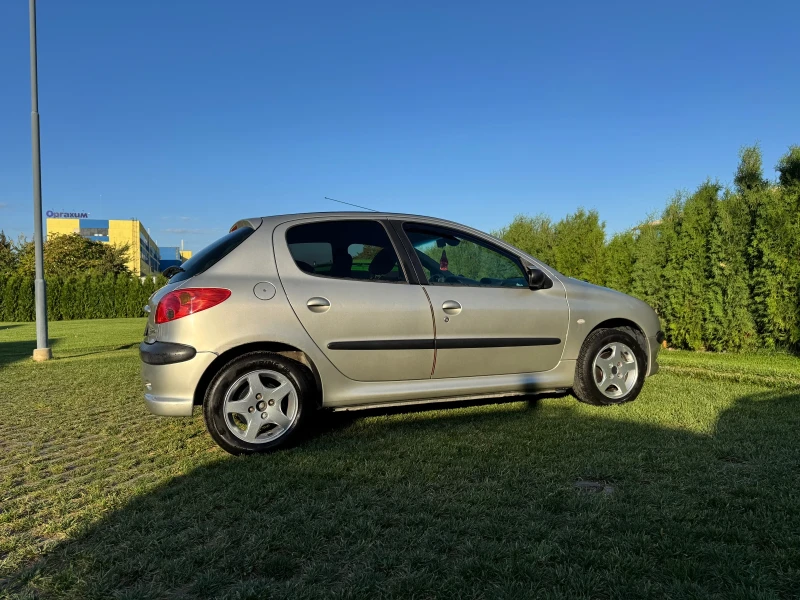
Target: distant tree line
85 280
721 266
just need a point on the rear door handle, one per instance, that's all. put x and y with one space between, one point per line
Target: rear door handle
451 307
318 304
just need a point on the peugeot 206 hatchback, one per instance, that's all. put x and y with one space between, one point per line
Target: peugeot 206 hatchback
288 314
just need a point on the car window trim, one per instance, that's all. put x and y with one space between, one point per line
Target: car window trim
409 247
409 255
400 227
382 222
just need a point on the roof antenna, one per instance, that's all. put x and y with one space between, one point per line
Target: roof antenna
350 204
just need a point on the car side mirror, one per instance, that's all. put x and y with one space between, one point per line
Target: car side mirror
537 280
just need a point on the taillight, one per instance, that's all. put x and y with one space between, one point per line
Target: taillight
188 301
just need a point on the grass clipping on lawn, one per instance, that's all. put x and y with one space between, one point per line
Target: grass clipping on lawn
100 499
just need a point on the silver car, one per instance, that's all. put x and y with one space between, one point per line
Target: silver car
289 314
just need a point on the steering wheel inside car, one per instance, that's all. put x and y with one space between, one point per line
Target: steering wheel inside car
436 278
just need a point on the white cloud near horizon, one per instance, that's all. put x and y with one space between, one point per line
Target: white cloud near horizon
190 231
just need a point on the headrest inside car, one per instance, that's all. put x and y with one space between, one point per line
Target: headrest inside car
383 263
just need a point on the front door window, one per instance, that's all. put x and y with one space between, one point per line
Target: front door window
452 258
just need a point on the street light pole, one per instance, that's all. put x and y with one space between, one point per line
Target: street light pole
42 351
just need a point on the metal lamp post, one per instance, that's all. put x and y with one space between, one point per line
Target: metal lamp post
42 351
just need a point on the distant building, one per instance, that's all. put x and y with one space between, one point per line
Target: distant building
173 256
145 257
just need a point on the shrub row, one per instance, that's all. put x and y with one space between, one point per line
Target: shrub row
721 265
82 297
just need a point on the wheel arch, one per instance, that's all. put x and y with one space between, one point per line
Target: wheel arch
620 322
285 350
617 323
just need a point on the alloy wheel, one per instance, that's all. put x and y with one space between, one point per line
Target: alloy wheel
261 406
615 370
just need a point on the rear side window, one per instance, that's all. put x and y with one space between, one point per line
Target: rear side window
212 254
345 250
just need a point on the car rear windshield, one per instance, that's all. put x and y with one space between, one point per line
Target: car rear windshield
212 254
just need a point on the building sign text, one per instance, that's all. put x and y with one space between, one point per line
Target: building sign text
67 215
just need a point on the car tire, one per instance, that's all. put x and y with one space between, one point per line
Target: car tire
611 367
259 402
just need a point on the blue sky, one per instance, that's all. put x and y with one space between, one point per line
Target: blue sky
191 115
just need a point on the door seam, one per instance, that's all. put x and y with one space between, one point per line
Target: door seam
433 321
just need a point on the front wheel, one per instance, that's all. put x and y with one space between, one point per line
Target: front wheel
611 367
258 402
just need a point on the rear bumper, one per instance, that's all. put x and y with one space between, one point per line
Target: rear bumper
169 387
165 353
169 407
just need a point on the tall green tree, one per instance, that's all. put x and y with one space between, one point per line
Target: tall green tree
54 289
106 295
750 172
67 255
649 260
534 235
8 256
579 246
668 230
121 290
688 268
729 321
26 304
10 290
148 289
788 167
91 299
774 253
68 298
134 305
620 258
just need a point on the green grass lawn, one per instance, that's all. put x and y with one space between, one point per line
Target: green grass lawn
99 499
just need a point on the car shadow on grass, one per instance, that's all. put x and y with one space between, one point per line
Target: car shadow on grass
477 502
330 421
105 350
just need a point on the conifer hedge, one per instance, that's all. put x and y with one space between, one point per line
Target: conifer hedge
78 297
721 266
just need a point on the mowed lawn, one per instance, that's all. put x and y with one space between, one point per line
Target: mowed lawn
699 480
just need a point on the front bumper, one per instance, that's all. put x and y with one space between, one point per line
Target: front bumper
653 347
169 387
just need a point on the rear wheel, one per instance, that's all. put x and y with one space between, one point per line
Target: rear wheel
611 367
258 402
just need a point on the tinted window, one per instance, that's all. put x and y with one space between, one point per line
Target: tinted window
451 258
345 249
212 254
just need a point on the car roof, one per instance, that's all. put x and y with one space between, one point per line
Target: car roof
274 219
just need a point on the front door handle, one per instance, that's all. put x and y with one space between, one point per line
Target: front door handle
451 307
318 305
